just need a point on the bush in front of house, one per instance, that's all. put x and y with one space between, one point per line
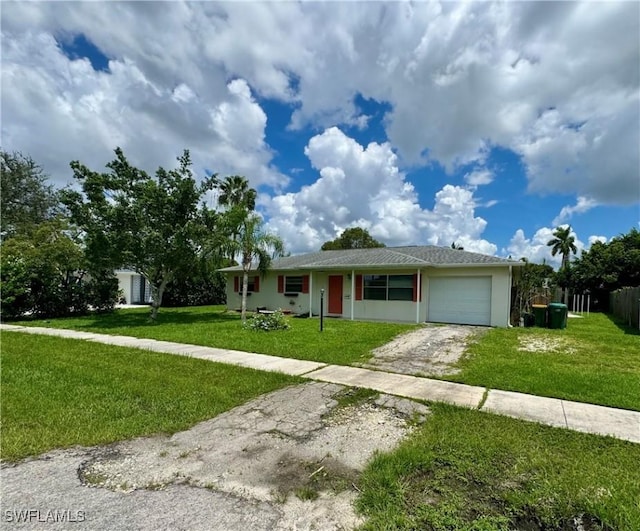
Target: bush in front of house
266 322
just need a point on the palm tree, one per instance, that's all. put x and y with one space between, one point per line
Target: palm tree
564 244
255 248
235 192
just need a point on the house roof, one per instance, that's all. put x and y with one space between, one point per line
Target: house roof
385 257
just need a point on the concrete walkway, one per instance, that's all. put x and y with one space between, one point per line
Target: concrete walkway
578 416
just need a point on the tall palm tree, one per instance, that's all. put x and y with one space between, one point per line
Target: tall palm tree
255 248
564 244
235 192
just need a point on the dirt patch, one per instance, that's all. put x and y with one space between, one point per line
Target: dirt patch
546 345
287 460
432 350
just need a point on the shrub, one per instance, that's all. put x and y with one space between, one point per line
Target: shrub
266 322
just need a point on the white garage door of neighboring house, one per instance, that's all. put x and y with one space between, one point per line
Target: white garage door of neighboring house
461 300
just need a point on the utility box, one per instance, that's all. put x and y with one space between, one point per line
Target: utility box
557 315
540 314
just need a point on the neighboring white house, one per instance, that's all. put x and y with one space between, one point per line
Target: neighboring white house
410 284
134 287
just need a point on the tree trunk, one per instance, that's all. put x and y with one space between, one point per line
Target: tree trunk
245 286
157 291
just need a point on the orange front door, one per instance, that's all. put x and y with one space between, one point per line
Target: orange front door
335 294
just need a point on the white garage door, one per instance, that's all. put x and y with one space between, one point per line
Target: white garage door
461 300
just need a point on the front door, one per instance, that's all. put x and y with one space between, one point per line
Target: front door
335 294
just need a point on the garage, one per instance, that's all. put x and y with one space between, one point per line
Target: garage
460 300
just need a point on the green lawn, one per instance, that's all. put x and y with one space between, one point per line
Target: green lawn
468 470
342 342
57 393
595 360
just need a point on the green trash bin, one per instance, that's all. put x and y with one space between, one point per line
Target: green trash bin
540 314
557 315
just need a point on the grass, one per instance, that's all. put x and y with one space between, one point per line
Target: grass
596 360
343 342
58 393
469 470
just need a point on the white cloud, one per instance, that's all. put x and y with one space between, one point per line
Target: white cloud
593 239
479 177
555 82
57 110
582 205
363 186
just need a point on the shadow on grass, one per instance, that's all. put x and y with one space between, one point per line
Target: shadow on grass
622 325
139 318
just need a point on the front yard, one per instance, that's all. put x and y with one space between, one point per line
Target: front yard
461 470
57 392
342 342
593 360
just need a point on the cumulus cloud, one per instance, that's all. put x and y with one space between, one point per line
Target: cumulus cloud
59 109
582 205
363 186
555 82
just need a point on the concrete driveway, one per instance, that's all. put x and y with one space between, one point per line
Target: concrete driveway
287 460
431 350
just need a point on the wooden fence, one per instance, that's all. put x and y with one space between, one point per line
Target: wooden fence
625 304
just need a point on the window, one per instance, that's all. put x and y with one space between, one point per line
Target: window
293 284
388 287
253 285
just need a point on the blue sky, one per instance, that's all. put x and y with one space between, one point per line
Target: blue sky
487 124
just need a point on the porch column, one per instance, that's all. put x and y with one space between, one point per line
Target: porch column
310 294
353 290
419 290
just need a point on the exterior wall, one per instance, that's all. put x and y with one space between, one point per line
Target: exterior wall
402 311
267 296
124 284
127 282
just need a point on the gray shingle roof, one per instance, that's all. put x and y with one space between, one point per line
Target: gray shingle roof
396 257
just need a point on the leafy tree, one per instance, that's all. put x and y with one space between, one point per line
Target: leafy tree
254 247
155 226
609 266
44 272
201 285
563 243
353 238
26 198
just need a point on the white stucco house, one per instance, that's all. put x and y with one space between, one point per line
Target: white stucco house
407 284
134 287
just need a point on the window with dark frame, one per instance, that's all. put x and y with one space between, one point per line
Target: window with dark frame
252 285
388 287
293 284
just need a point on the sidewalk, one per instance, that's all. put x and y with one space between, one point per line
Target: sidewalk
578 416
